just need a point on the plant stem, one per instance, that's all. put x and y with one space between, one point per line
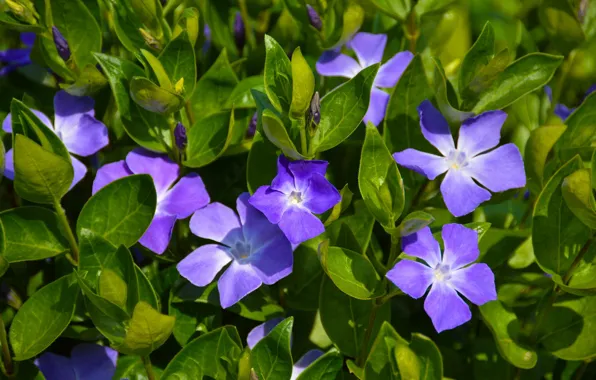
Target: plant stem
581 370
303 148
393 252
148 367
6 358
368 333
412 32
74 247
189 114
576 261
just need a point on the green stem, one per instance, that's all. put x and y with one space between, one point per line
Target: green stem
576 261
303 141
380 268
148 367
6 358
189 114
393 252
74 247
412 32
368 333
581 370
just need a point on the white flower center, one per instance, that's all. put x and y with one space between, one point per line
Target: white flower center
295 198
241 250
442 273
457 159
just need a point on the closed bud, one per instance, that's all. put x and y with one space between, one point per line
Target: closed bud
239 33
180 136
150 40
252 126
23 10
315 108
314 18
61 44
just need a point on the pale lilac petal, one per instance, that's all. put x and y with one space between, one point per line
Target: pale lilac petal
7 123
306 360
435 128
158 235
461 245
86 137
93 362
481 133
299 225
159 166
79 171
377 106
445 307
256 228
204 263
426 164
390 71
109 173
476 283
411 277
303 170
271 203
255 335
334 64
9 164
185 197
423 245
237 281
218 223
368 47
273 261
500 169
461 194
55 367
68 109
321 195
284 180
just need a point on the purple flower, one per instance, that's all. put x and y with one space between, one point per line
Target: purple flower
369 50
12 59
239 34
561 110
75 124
498 170
314 18
180 136
447 275
255 335
207 43
257 251
87 361
299 190
61 44
175 199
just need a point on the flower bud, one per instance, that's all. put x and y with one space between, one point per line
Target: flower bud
315 108
252 126
239 33
313 16
150 40
180 136
61 44
23 10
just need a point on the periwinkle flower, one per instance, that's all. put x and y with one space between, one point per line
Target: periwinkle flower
369 49
299 190
180 136
176 199
447 275
239 33
257 251
314 18
261 331
61 44
498 170
12 59
75 124
87 361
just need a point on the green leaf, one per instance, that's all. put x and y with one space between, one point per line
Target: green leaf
158 70
149 13
477 57
345 319
276 132
154 98
10 22
88 82
380 363
113 288
271 358
445 96
207 356
326 367
217 17
277 75
342 110
557 235
351 272
525 75
577 192
431 361
121 211
79 28
208 139
43 317
303 86
346 200
358 225
261 166
241 97
505 328
147 331
539 144
31 233
189 22
560 21
127 25
423 7
412 223
178 59
40 175
568 329
379 180
398 9
580 132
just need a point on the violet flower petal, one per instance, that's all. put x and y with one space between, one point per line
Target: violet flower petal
259 332
422 245
426 164
9 164
390 71
7 123
306 360
274 260
562 111
160 167
435 128
320 195
411 277
500 169
80 170
93 362
237 282
461 194
204 263
68 109
476 283
299 225
334 64
368 47
256 228
377 106
55 367
302 171
109 173
461 245
185 197
481 133
158 235
28 38
271 203
86 137
445 307
218 223
284 179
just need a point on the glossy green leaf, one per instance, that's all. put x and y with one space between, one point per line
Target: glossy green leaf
429 356
149 13
539 144
580 132
381 363
327 367
398 9
261 166
9 21
276 132
577 192
413 223
301 287
477 57
113 288
217 16
154 98
121 211
189 22
346 200
31 233
560 21
303 86
88 82
127 25
271 358
43 317
353 230
241 96
158 70
277 75
178 60
208 139
423 7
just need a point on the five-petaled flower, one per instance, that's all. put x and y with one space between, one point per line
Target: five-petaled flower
257 251
75 124
369 49
498 170
87 361
176 199
19 57
448 274
299 189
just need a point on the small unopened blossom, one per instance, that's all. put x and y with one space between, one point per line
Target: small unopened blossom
87 361
176 199
446 275
255 249
180 136
239 32
299 190
261 331
252 126
561 110
314 18
11 59
61 44
315 108
207 42
497 170
369 49
75 124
